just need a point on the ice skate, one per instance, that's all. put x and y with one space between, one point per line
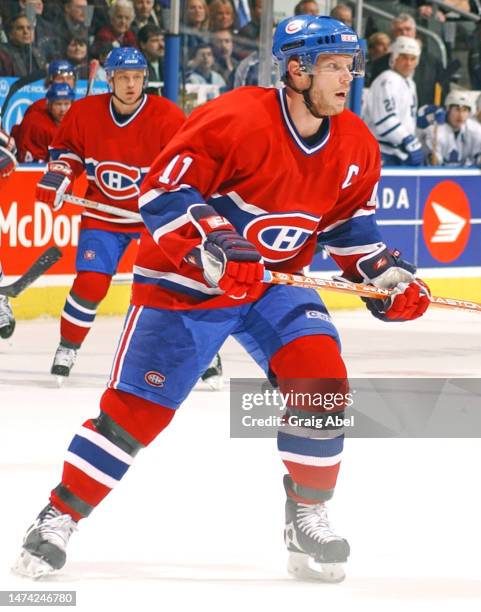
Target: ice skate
7 320
63 362
315 551
213 375
44 545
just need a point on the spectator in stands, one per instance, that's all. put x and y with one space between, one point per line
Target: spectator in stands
203 72
378 45
20 55
242 13
225 63
221 15
247 39
37 130
390 110
152 45
343 12
118 32
474 58
45 34
306 7
478 109
144 15
194 27
103 53
429 71
73 21
458 140
77 55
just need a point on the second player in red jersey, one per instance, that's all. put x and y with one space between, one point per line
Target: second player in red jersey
114 138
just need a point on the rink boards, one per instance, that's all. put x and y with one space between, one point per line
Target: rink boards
432 215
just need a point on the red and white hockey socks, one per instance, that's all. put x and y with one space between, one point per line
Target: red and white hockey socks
104 448
88 290
310 365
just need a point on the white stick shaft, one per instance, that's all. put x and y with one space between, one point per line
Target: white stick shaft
112 210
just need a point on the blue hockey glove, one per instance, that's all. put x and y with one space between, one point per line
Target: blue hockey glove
412 147
227 259
386 270
429 114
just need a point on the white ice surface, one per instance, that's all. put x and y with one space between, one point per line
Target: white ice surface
197 523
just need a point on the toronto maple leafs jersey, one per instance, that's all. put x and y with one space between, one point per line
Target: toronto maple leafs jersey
461 148
390 110
116 155
242 154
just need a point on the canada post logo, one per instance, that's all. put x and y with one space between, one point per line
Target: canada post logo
280 237
446 221
117 181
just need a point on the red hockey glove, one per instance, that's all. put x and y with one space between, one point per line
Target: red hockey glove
386 270
8 161
54 184
227 259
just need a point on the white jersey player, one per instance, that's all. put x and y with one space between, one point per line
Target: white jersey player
391 106
458 141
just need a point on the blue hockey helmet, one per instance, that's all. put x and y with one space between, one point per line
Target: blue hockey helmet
307 36
60 91
124 58
59 67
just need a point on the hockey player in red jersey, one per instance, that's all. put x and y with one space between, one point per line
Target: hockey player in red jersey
254 180
114 137
38 130
8 163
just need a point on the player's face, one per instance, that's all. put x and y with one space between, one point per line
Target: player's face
127 85
65 77
330 84
59 108
405 64
457 116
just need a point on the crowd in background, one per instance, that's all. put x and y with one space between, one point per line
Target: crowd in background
220 41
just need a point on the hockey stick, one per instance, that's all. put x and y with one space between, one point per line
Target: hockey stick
94 66
43 263
361 290
118 212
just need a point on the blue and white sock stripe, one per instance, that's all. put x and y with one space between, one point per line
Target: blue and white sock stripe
308 451
96 462
78 314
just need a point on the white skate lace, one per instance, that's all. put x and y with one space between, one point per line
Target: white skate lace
65 356
56 527
314 522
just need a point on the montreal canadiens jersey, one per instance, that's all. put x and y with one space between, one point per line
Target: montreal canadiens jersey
390 110
462 148
34 136
116 156
242 154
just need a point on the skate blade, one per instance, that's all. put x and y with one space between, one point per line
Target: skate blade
216 383
59 380
303 567
29 566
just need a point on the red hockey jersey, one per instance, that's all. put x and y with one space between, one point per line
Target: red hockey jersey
243 155
34 136
116 156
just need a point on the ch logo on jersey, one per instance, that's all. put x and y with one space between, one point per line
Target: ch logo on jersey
117 181
280 237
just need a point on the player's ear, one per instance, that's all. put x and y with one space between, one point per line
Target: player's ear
294 67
